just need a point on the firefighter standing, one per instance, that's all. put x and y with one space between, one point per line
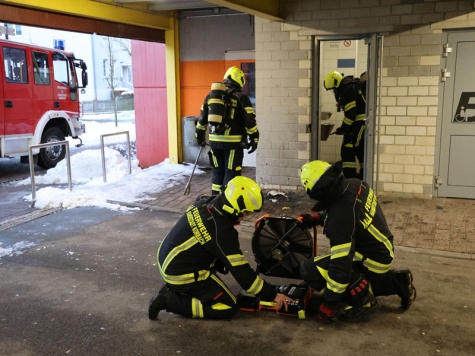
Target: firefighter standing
231 118
358 268
351 98
202 242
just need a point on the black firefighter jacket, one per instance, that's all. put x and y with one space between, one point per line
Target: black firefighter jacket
200 237
353 102
240 120
356 227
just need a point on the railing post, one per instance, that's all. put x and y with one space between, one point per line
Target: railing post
103 153
32 164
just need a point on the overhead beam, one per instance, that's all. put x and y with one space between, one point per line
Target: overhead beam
267 9
38 18
99 10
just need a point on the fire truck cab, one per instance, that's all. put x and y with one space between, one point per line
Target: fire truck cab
39 92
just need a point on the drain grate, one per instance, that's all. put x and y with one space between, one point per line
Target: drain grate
27 217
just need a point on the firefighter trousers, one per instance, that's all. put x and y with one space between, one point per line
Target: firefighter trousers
352 148
314 271
208 299
226 164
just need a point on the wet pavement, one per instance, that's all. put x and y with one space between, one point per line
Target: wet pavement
84 285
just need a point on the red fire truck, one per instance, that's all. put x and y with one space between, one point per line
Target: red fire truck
39 91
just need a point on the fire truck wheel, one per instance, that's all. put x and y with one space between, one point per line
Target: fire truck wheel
50 156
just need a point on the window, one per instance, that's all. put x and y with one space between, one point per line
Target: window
41 68
17 30
14 60
249 88
104 67
62 71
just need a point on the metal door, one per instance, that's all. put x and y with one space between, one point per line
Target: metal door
455 171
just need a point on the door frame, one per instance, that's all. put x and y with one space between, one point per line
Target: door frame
374 72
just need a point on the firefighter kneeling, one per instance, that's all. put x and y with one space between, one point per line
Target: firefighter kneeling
358 268
203 242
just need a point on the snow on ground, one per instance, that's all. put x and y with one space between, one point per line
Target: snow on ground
16 249
87 178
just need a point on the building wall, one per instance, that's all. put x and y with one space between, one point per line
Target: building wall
150 96
204 42
409 88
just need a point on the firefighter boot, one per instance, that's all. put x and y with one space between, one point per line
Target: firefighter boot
362 302
404 287
159 302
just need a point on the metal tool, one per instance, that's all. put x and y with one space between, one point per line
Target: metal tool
188 185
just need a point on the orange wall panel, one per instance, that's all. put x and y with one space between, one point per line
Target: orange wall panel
196 79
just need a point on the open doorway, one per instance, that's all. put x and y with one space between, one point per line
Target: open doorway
350 56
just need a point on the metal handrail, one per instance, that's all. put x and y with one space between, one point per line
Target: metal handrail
103 155
32 165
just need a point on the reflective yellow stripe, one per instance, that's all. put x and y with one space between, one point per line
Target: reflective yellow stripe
349 165
315 259
196 309
220 306
250 110
360 117
231 159
360 134
180 248
224 138
220 282
340 250
358 256
187 278
201 127
216 187
237 260
215 101
331 284
376 267
251 130
347 121
256 287
381 238
350 105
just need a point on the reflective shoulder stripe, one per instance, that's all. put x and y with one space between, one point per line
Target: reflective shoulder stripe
196 309
256 287
237 260
340 250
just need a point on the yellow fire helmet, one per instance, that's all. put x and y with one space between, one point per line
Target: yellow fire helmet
332 80
243 194
235 74
311 173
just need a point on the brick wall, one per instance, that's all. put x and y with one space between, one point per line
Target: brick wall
409 90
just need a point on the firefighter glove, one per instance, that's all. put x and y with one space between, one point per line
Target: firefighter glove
325 313
310 221
201 140
221 268
253 147
339 131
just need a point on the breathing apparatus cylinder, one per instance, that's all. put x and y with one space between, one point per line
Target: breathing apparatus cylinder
217 104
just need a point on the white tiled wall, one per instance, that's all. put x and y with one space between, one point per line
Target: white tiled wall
331 51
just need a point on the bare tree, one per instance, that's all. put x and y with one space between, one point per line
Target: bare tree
124 45
110 79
